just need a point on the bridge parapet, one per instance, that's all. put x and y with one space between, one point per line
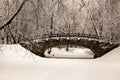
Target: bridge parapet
75 35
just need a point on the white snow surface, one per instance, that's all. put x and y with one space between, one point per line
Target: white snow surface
71 53
17 63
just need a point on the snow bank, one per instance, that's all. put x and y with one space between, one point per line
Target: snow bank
16 53
112 56
16 63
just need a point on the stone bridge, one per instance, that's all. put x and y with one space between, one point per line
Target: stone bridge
99 47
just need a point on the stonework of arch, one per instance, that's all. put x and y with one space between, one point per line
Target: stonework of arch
99 48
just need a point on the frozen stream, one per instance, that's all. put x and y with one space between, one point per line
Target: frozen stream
71 53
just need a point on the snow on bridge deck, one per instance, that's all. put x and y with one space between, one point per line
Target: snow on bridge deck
74 38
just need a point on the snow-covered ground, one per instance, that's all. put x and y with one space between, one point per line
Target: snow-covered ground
71 53
17 63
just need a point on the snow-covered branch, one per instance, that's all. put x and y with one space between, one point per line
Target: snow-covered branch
13 16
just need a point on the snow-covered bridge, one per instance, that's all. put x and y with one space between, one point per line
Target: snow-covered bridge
98 46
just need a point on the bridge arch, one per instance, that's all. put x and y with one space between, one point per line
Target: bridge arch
97 47
90 44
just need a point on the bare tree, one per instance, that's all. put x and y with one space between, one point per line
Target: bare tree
33 18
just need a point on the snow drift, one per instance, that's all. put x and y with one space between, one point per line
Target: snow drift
17 63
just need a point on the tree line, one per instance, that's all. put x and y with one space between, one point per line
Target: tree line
23 20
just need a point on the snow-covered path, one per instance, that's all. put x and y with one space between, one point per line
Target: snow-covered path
16 63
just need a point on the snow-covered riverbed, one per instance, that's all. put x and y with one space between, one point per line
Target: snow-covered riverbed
16 63
71 53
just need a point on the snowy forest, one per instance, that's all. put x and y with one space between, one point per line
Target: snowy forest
98 17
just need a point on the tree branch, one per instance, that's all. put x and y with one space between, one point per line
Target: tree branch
59 30
92 19
13 16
